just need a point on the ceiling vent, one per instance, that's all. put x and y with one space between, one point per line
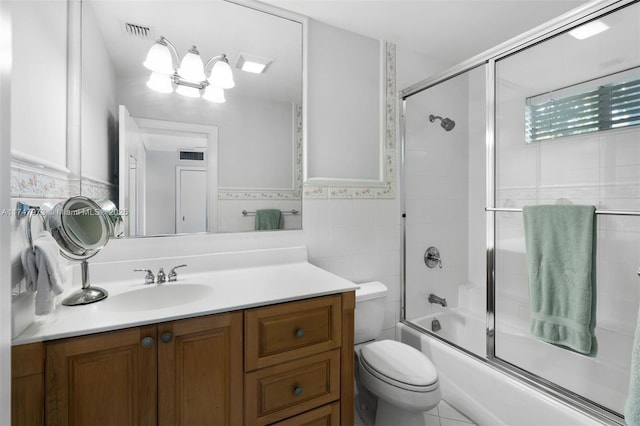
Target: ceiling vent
139 31
192 155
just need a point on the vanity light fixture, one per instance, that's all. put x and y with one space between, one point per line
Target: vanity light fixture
588 30
193 78
253 64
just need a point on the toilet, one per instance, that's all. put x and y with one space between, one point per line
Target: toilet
395 383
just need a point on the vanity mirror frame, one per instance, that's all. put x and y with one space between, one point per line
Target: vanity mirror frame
74 116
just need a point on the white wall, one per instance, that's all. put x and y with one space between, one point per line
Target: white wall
39 76
99 126
5 230
343 99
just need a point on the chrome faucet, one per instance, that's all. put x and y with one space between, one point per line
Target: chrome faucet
439 300
173 275
161 276
149 278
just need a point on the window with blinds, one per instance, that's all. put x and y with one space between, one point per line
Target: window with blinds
609 106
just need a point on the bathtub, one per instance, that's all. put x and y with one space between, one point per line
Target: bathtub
481 392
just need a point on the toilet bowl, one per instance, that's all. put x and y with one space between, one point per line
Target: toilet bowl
395 383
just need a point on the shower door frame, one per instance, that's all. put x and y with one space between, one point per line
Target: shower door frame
561 24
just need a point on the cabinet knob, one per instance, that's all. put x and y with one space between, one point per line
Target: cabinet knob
166 337
147 342
299 333
297 391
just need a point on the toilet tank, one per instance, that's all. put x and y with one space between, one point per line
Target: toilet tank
370 303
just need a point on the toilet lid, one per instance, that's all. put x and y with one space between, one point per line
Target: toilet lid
394 361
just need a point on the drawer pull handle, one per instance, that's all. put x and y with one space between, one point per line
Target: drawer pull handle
166 337
297 391
299 333
147 342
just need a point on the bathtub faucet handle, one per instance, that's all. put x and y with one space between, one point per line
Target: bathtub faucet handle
432 258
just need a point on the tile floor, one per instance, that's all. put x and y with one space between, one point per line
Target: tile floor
445 415
442 415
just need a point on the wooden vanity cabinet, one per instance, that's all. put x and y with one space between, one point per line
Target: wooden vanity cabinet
183 372
285 364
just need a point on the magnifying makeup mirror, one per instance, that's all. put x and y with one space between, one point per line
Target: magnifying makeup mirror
81 228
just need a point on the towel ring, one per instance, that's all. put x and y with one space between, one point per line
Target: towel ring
25 210
30 215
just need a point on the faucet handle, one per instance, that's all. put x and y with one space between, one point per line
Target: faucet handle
149 278
161 276
432 258
173 275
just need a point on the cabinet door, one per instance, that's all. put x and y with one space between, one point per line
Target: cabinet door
200 374
27 384
106 378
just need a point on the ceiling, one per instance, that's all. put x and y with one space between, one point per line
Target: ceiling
447 31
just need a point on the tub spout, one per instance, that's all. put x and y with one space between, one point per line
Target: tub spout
439 300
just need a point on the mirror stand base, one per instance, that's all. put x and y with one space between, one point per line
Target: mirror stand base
85 296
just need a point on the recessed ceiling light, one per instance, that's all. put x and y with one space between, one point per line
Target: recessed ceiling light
252 63
588 30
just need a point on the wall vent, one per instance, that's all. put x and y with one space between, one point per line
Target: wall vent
192 155
139 31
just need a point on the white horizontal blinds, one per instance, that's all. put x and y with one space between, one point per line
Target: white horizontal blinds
608 106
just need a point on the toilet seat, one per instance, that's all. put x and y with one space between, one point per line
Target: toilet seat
399 365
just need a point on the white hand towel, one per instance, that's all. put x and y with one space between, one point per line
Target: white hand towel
42 272
29 268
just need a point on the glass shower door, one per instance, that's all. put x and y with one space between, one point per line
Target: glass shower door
560 139
445 226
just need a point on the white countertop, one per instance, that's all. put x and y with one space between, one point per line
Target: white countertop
231 289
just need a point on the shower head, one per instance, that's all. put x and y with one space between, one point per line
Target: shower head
446 123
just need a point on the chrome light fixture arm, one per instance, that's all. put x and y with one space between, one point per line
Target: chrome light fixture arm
212 61
173 50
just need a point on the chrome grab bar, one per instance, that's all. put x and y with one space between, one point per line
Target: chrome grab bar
292 211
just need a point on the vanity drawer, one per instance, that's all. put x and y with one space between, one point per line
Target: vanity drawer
280 391
284 332
327 415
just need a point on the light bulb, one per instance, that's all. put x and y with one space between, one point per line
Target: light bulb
160 83
159 58
214 94
191 67
221 75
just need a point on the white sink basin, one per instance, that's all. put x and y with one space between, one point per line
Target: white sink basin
157 297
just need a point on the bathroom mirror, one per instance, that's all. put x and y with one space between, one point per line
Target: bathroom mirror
176 164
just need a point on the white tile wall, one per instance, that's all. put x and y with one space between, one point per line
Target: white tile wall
360 241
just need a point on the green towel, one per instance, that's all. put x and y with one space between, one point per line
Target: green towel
632 406
560 243
267 219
